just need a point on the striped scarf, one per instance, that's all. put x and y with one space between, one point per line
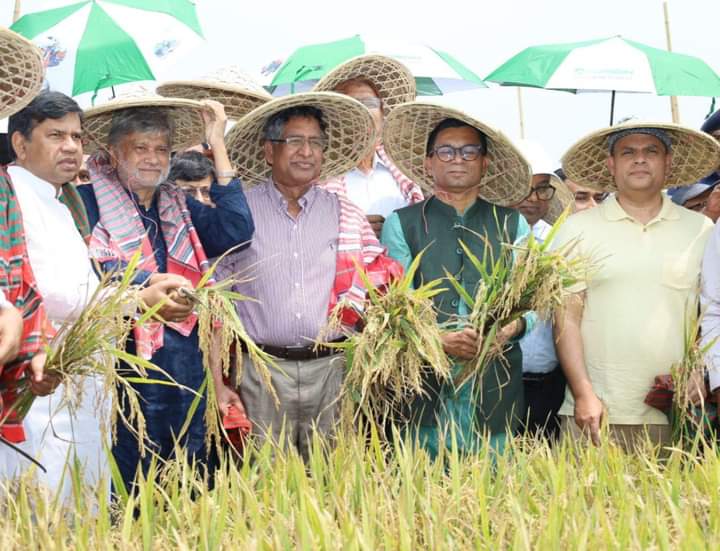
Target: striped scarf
409 189
120 233
18 283
358 247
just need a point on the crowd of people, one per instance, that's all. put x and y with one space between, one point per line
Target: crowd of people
299 195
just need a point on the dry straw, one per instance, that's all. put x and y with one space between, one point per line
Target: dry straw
238 93
531 276
21 72
350 134
694 156
393 80
398 348
405 135
186 117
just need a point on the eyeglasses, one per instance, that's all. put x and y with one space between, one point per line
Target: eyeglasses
296 143
543 193
370 103
584 196
447 153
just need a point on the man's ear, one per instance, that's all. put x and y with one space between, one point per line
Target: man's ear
269 153
611 165
113 155
427 165
668 163
18 143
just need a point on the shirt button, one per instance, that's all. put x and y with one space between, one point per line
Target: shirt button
459 250
298 315
295 255
295 227
454 303
297 284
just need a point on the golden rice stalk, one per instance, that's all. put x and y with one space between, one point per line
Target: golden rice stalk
221 330
523 278
399 346
93 345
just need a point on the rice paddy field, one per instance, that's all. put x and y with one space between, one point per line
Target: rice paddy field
362 495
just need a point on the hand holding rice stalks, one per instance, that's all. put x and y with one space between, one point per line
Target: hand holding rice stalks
399 345
220 331
523 278
93 345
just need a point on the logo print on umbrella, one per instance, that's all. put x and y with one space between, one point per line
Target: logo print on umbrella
53 53
165 48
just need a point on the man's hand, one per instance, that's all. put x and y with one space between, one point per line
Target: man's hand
510 331
696 392
213 114
11 326
588 415
463 344
41 383
376 221
163 288
227 397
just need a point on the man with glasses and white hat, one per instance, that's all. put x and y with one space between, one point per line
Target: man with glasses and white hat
627 325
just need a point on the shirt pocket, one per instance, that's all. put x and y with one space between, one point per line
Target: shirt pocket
680 272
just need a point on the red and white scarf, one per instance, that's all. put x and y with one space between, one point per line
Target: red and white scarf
120 233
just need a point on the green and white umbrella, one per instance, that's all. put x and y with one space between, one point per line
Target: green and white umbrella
94 44
608 65
435 72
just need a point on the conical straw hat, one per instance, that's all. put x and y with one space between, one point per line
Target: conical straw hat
350 133
21 72
238 93
186 115
406 131
694 155
393 80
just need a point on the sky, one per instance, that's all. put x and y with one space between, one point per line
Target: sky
481 34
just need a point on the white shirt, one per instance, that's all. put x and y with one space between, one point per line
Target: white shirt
58 255
375 192
710 306
538 347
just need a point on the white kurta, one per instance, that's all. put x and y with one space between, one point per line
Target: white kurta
375 192
66 280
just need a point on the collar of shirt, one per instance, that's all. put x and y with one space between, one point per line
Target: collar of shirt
281 203
376 162
613 212
42 188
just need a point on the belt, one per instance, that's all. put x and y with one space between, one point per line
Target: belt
538 378
299 353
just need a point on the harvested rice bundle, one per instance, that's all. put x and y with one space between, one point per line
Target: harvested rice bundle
221 331
527 277
94 345
399 345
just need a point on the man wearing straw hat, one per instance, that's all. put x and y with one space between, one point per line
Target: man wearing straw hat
475 174
376 185
627 325
303 258
22 314
543 380
132 207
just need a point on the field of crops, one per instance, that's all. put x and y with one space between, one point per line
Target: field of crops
359 496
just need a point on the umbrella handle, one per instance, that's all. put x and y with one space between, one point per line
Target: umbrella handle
612 107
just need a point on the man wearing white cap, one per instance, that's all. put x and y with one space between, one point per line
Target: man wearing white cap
627 325
543 380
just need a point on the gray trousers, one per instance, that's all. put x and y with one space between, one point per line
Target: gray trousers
309 393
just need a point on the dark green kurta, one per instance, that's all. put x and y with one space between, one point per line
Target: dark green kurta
480 407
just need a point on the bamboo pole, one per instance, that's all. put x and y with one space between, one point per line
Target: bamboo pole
674 109
16 11
521 113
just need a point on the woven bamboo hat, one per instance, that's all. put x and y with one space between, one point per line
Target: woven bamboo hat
21 72
393 80
350 133
405 135
694 155
238 93
186 115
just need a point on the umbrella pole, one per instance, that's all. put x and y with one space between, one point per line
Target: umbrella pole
673 99
520 113
612 107
16 11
